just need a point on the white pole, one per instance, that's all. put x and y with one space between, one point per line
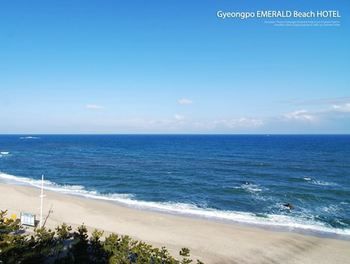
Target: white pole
41 201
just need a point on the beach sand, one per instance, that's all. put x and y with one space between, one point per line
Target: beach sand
209 241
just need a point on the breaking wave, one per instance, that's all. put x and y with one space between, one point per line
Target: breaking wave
4 153
273 220
318 182
29 137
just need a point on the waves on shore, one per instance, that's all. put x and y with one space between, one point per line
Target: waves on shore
273 220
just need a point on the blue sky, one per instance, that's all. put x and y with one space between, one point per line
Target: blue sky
170 67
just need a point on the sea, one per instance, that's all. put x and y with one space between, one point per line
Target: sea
246 179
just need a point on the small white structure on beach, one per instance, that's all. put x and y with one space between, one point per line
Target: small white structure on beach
27 219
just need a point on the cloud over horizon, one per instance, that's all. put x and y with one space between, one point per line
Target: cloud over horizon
184 101
242 122
179 117
178 123
94 107
300 115
342 107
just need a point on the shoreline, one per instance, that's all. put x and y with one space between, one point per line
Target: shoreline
209 241
279 222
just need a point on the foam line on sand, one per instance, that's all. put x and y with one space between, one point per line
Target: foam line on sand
210 241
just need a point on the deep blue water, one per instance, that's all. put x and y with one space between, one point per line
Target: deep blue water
244 178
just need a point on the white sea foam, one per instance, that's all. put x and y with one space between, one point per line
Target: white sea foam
252 188
318 182
29 137
249 187
333 209
48 185
282 221
324 183
4 153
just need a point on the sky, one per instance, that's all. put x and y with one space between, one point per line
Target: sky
170 67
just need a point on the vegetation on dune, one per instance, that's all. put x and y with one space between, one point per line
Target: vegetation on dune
67 246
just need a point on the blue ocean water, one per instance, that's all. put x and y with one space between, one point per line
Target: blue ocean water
239 178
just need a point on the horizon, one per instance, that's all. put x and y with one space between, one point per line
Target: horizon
170 68
169 134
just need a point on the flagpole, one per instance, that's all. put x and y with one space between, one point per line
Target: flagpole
41 201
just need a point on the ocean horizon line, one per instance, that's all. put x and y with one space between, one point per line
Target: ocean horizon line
174 134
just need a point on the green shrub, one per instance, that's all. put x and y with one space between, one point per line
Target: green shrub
65 246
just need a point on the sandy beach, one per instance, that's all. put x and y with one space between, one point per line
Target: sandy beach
209 241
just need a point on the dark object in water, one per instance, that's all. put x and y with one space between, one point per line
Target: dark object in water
288 205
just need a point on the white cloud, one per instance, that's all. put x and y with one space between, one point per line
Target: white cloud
340 110
320 101
341 107
300 115
93 107
184 101
179 117
242 122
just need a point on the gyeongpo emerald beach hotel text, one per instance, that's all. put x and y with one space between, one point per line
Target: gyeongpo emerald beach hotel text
278 14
